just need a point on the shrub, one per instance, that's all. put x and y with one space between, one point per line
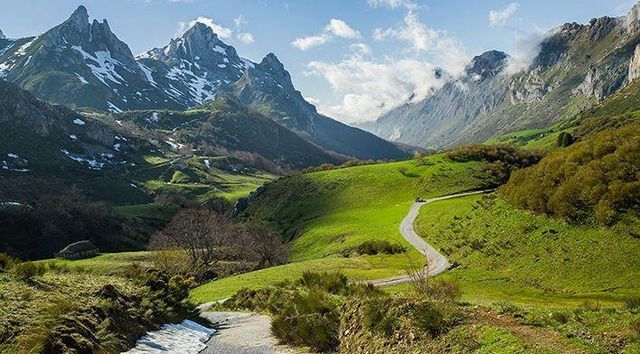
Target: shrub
29 270
376 317
593 179
501 160
7 262
317 331
564 139
429 318
560 317
333 283
373 247
633 302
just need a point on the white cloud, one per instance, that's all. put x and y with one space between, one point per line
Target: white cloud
335 28
369 88
360 49
246 38
448 51
500 17
341 29
239 21
304 43
314 101
526 49
393 4
221 31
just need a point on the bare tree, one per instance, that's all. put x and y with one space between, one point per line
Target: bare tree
200 241
201 234
265 247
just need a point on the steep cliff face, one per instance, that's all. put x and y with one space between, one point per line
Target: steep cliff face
446 113
577 66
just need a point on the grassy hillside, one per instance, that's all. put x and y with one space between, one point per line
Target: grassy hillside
225 127
327 212
543 139
103 304
504 254
591 180
621 108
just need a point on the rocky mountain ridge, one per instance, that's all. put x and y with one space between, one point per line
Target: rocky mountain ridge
577 66
83 64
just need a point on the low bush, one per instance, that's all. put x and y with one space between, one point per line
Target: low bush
501 160
333 283
29 270
633 302
374 247
564 139
7 262
308 319
430 318
306 312
377 317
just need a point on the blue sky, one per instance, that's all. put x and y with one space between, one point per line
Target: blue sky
353 58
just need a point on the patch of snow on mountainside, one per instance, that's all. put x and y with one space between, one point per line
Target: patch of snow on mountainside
200 88
6 49
82 79
93 164
220 50
23 48
147 72
248 64
102 65
154 118
113 108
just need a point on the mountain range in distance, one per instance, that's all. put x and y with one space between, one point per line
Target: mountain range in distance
85 66
576 67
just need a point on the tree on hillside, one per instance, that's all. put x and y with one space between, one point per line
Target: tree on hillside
200 241
564 139
201 234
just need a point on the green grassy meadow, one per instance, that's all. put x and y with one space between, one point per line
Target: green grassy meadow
326 212
533 139
507 255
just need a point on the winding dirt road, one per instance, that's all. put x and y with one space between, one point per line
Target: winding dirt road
250 333
436 262
243 333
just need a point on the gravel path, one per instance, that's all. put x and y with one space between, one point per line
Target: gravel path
436 262
242 333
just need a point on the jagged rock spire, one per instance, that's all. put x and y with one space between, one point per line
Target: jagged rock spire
79 19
